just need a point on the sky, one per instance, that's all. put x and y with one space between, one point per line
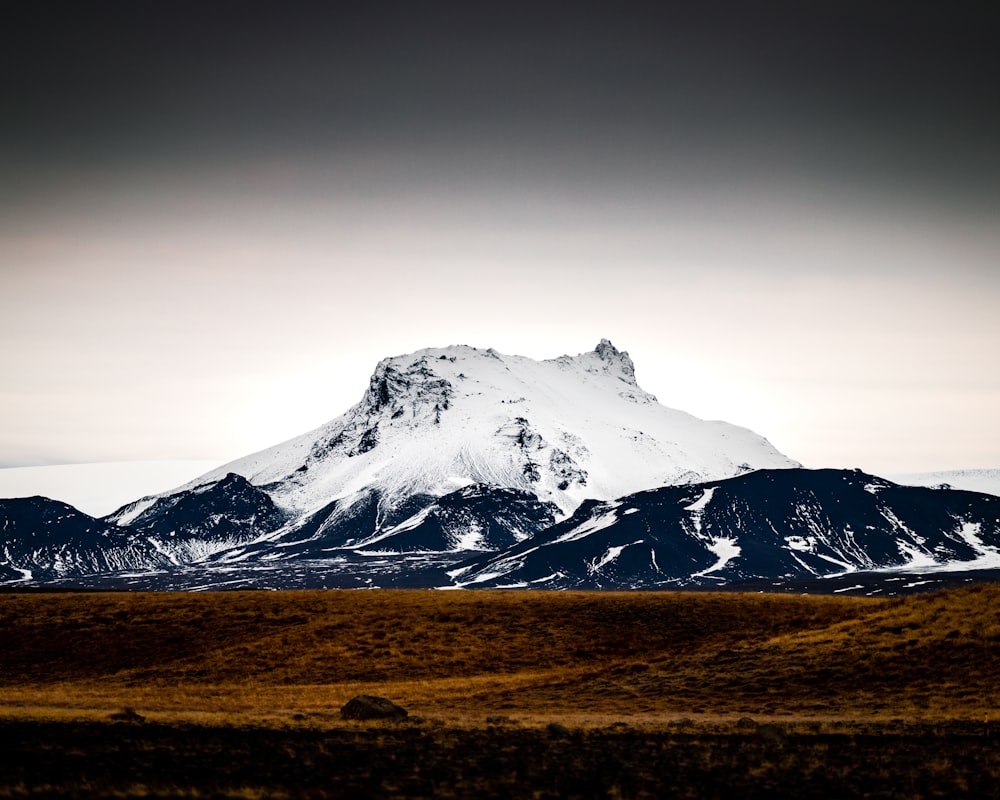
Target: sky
217 217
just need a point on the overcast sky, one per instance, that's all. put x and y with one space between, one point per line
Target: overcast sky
215 218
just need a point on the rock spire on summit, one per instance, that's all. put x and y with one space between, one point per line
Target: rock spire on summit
608 353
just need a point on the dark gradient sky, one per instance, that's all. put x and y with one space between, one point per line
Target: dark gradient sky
899 95
216 217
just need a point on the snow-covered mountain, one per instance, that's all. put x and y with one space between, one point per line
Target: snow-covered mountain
465 467
440 419
449 449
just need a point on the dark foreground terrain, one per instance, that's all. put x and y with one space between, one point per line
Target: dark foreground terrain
416 759
510 694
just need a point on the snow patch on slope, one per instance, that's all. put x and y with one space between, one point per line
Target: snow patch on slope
566 429
610 555
989 557
726 550
700 504
599 522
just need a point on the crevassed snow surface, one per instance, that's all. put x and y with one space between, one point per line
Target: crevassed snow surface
566 429
100 488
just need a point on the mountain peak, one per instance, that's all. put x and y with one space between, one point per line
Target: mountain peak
614 357
441 418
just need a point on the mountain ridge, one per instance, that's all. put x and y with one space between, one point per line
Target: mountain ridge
768 524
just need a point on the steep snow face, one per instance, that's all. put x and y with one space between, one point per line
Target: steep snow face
565 429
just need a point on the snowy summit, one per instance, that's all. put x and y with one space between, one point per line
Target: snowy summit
566 429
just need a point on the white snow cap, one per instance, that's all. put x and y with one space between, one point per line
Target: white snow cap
566 429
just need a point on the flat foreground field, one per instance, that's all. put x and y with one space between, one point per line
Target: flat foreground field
510 694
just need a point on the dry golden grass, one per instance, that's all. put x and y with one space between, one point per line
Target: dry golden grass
267 657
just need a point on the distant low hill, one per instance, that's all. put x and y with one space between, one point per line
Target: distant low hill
100 488
969 480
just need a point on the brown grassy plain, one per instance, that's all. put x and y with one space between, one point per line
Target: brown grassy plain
457 655
593 662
